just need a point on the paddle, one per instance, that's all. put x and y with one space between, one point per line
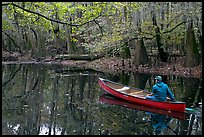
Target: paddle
195 111
192 110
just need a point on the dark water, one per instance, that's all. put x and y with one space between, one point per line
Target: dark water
42 100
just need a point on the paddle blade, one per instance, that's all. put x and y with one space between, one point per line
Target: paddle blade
191 109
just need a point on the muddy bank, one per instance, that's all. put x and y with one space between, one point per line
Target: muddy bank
174 68
114 65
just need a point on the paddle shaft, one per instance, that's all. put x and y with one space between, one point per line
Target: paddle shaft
172 130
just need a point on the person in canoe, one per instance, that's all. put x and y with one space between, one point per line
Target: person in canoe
160 91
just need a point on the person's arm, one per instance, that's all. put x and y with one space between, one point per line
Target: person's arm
170 94
152 92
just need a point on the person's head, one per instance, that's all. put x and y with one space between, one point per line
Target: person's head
158 78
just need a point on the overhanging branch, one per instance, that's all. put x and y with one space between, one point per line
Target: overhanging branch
57 21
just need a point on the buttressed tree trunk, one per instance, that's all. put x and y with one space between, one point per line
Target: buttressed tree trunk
192 53
140 55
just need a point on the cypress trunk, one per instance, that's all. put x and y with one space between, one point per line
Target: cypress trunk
140 55
192 53
162 54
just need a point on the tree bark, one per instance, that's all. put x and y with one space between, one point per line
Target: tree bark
140 55
126 51
163 55
192 53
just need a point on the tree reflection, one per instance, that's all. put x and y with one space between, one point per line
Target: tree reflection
36 100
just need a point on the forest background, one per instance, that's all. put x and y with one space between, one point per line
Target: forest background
133 34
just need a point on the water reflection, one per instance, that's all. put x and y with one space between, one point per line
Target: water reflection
109 99
159 122
39 99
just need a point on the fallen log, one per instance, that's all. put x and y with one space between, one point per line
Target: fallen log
89 57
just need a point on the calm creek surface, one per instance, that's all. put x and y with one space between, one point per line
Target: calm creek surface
58 100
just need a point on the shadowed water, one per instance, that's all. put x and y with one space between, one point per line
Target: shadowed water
56 100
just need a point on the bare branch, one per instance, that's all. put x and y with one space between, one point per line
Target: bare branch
101 29
173 19
173 28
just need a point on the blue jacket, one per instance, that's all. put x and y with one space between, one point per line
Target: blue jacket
161 91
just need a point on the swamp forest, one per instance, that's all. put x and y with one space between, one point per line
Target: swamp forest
54 52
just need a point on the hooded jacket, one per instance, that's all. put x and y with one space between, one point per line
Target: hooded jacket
161 91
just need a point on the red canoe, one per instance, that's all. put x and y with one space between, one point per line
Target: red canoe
104 98
138 96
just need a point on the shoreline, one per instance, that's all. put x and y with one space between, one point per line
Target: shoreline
114 65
